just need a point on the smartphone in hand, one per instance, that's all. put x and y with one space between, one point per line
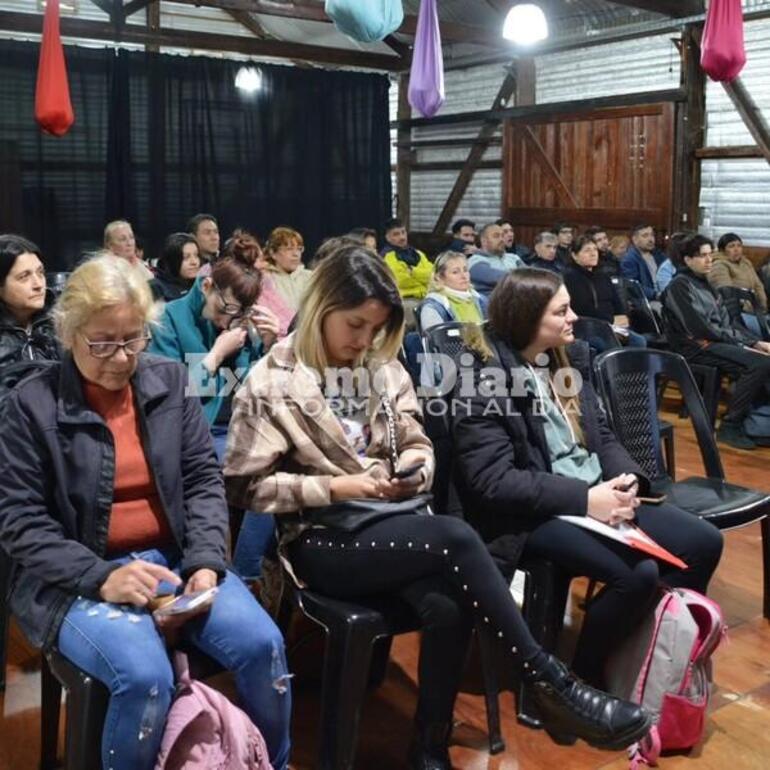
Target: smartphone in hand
186 603
410 470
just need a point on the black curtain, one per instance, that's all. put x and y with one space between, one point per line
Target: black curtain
158 138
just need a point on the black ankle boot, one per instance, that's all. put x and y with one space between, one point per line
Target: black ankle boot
429 749
571 709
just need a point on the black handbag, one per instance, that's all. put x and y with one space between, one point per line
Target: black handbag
355 514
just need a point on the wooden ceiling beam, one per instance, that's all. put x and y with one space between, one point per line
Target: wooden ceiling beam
105 6
137 5
245 19
676 8
302 10
182 38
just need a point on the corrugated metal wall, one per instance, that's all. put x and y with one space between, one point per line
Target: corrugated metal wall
735 194
647 65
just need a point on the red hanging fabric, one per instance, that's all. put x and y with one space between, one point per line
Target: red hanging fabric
722 52
53 108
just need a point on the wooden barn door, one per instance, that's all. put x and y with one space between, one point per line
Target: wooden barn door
611 167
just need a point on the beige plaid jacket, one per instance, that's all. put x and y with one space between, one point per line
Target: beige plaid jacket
285 445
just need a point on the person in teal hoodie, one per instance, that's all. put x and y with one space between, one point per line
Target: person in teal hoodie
219 331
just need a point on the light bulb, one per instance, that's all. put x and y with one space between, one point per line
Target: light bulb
525 24
248 79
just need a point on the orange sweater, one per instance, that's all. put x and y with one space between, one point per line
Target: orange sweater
137 520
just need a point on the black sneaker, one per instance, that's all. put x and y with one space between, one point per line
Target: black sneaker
733 435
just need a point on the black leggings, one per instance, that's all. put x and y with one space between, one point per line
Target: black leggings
441 568
630 579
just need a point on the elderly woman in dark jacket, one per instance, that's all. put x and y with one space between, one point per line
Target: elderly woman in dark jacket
543 449
111 496
26 330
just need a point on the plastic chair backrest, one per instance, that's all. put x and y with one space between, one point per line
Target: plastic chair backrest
446 338
734 297
586 328
639 309
56 281
627 382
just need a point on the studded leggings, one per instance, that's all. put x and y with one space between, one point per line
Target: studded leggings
442 569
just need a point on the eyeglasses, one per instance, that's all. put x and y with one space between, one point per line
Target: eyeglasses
228 308
108 349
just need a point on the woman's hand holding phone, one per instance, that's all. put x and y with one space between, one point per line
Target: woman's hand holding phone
614 501
136 583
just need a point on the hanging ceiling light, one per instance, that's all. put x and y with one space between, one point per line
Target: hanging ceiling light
248 79
525 24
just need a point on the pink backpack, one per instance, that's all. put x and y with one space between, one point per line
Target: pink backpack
205 731
666 666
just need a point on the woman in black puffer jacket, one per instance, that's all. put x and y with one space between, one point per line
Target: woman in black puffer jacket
26 329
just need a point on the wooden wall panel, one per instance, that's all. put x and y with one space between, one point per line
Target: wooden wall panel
612 167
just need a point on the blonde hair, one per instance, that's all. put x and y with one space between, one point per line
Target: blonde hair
344 280
110 227
440 267
101 282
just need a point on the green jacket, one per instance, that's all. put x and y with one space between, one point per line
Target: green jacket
186 336
412 282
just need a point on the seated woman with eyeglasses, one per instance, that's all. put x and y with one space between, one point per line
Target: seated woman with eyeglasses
112 495
285 248
219 331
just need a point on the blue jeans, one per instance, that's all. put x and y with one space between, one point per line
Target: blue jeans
257 533
120 646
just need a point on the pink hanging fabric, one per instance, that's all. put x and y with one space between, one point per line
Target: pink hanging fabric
426 78
722 52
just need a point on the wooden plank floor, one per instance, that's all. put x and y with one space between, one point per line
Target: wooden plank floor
738 734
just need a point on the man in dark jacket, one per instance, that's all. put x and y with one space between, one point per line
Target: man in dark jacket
699 328
545 253
642 260
565 235
464 237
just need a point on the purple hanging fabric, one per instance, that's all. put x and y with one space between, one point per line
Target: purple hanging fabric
426 79
722 52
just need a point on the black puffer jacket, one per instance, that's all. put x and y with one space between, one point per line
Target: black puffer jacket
592 293
503 459
39 342
58 467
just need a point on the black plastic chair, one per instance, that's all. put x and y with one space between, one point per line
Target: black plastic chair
87 701
627 380
590 329
641 317
358 637
734 298
545 588
55 282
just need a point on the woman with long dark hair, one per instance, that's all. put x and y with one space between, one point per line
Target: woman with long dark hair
329 415
26 327
545 450
177 267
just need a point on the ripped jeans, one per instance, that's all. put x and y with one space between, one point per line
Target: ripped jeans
120 646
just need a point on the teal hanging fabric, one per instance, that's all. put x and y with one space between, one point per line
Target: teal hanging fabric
365 20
